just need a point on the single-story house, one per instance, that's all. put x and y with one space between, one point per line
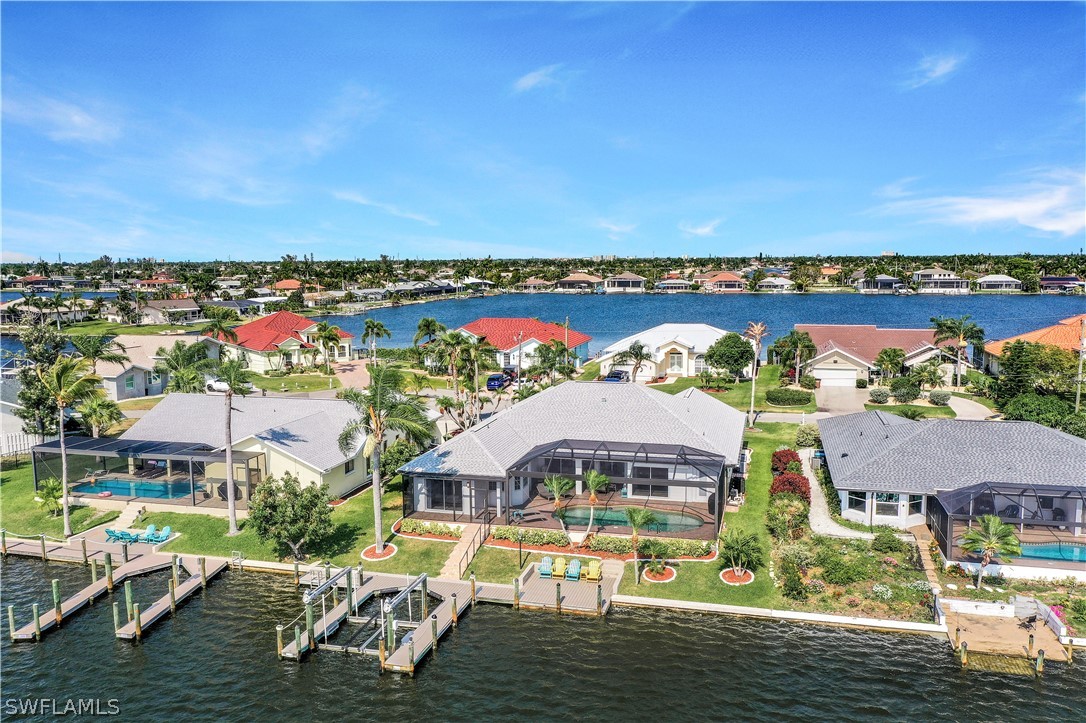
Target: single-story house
881 284
1066 334
578 282
940 281
243 307
285 286
16 311
678 454
847 352
534 285
678 350
998 282
624 283
516 339
671 286
1061 284
724 281
158 282
170 311
776 285
279 341
889 470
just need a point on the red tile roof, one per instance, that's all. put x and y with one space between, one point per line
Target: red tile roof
32 277
865 341
155 282
1066 335
725 276
502 332
287 285
267 333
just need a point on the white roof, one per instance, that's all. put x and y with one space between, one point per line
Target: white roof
698 337
997 277
776 281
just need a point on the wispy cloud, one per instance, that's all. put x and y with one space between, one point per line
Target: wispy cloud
896 189
62 120
355 106
615 231
388 208
543 77
1051 200
933 69
227 172
704 230
16 257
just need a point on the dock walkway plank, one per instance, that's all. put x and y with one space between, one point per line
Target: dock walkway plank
159 609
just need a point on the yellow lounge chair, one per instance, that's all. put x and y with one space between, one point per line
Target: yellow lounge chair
558 572
591 572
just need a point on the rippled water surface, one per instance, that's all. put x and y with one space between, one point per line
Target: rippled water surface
215 660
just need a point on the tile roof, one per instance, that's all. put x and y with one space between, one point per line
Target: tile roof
588 411
307 429
269 332
287 285
881 451
578 276
173 304
697 337
501 332
865 341
723 276
1066 334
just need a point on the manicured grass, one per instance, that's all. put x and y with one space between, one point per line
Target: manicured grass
22 515
591 371
990 403
738 395
929 412
295 382
141 404
494 565
101 327
206 535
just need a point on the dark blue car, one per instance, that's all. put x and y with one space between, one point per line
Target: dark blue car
496 381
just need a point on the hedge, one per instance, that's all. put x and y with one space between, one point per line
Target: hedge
420 527
808 382
674 547
532 536
788 397
861 383
939 397
781 459
791 483
878 395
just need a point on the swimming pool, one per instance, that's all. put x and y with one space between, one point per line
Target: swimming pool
1068 551
136 488
616 517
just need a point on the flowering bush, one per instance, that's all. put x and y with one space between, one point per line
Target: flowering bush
890 561
881 592
853 601
791 483
816 587
410 526
920 585
781 459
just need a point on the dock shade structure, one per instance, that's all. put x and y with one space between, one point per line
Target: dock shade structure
171 472
1041 514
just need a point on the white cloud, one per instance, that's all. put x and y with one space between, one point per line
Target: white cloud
16 257
932 69
704 230
541 78
615 231
896 189
353 107
62 120
1050 201
388 208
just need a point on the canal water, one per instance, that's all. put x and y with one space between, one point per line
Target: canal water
215 660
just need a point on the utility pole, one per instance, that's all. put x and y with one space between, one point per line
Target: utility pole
520 339
1081 355
567 340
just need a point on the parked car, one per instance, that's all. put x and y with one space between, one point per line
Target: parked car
217 386
497 381
510 372
617 375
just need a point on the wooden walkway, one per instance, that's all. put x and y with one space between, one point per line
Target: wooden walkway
578 597
416 644
158 610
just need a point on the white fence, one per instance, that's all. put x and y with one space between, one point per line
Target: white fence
20 443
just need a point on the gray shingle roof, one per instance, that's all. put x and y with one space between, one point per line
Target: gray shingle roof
880 451
307 429
591 411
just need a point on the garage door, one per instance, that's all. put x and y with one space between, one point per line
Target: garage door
835 376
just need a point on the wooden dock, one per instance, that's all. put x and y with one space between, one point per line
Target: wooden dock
196 581
416 644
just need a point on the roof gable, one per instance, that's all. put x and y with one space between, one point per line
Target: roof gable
268 332
504 333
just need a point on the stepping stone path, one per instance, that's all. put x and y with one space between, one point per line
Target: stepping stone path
951 586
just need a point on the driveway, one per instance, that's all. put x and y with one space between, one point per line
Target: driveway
840 400
968 409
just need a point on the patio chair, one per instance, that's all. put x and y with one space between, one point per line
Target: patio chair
222 492
127 537
517 516
160 537
113 536
1028 623
1013 512
544 569
147 535
592 571
559 570
574 571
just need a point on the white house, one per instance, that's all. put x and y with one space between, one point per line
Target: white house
998 282
624 283
776 285
940 281
516 339
678 350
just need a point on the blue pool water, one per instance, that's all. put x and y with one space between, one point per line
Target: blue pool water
137 488
616 517
1070 551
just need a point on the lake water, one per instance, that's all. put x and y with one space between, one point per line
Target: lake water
215 660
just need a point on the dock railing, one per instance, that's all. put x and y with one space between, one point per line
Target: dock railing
477 541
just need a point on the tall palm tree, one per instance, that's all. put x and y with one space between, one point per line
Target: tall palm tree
889 361
558 486
992 537
69 381
236 379
638 518
328 338
636 356
593 481
220 329
383 407
479 354
796 347
73 302
57 304
184 366
187 380
450 351
756 331
962 332
375 330
428 329
99 348
100 413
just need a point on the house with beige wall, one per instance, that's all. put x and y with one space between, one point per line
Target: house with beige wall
678 350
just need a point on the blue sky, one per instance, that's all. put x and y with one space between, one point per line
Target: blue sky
249 130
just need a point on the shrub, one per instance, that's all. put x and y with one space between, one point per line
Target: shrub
881 592
412 526
1074 424
276 373
861 383
833 500
816 587
904 390
795 467
1049 411
886 541
788 397
782 458
792 582
939 397
532 536
787 514
878 395
397 455
681 548
807 436
797 554
614 545
840 571
808 382
791 483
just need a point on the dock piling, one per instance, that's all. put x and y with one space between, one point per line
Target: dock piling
203 572
516 593
599 599
128 598
56 601
124 552
173 563
309 625
94 570
109 572
1039 666
139 625
957 637
279 641
381 653
298 640
473 589
43 556
390 625
37 622
454 610
83 541
11 620
350 593
964 650
425 599
116 617
1029 653
297 579
173 596
4 543
411 657
433 628
558 596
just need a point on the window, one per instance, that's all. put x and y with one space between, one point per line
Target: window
611 469
1045 503
886 504
561 465
507 359
857 501
155 378
445 494
699 364
348 466
916 504
675 361
650 490
650 472
130 382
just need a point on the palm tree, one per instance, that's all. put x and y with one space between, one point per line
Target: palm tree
889 361
49 493
236 379
57 304
558 486
383 407
636 356
638 518
756 331
796 347
450 350
992 537
479 354
375 330
69 381
100 413
742 550
188 380
99 348
328 338
428 329
416 382
184 365
928 373
962 332
594 481
220 329
72 302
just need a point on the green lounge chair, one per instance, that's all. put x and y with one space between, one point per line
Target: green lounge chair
574 571
592 571
559 570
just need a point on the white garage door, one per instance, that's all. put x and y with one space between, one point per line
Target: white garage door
836 376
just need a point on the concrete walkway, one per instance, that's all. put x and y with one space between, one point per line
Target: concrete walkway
968 409
352 374
450 570
790 418
819 517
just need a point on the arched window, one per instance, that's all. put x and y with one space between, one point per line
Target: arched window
699 364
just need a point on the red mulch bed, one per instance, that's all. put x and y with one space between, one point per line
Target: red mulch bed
583 550
666 576
390 550
729 577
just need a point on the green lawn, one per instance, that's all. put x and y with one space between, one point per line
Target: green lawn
141 404
990 403
494 565
295 382
591 371
738 395
929 412
22 515
101 327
